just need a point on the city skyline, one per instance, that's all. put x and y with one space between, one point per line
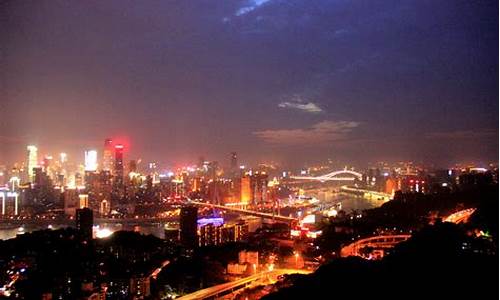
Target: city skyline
292 82
97 159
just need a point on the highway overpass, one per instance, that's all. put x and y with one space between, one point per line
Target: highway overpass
376 242
460 216
228 287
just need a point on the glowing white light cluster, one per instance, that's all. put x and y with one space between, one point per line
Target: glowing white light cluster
102 233
32 161
91 160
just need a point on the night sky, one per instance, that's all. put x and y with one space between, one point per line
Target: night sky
287 81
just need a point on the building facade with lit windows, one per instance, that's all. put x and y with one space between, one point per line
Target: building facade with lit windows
32 162
118 166
107 156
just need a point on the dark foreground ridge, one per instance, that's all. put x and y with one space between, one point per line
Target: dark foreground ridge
440 262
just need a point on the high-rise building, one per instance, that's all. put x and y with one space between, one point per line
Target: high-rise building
254 188
48 167
9 197
140 287
259 182
83 200
104 207
234 165
63 157
40 178
172 234
246 190
32 161
71 201
189 226
118 165
84 222
107 155
62 172
91 160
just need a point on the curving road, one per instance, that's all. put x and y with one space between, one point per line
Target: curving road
460 216
380 242
233 285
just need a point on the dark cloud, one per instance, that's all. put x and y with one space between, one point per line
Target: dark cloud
464 134
323 132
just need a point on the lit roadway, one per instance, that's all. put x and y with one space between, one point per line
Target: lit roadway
389 241
381 241
234 285
460 216
383 196
157 271
248 212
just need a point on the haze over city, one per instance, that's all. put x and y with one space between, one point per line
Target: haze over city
293 82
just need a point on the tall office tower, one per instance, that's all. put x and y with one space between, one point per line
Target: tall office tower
71 201
118 165
63 157
10 202
84 222
104 207
40 178
153 171
32 161
91 160
234 165
107 155
259 187
14 183
47 164
246 190
189 226
62 172
83 200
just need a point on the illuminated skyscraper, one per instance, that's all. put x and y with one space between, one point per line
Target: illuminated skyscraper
107 155
246 190
62 176
48 167
118 164
91 160
254 188
63 157
32 161
83 200
104 207
47 161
